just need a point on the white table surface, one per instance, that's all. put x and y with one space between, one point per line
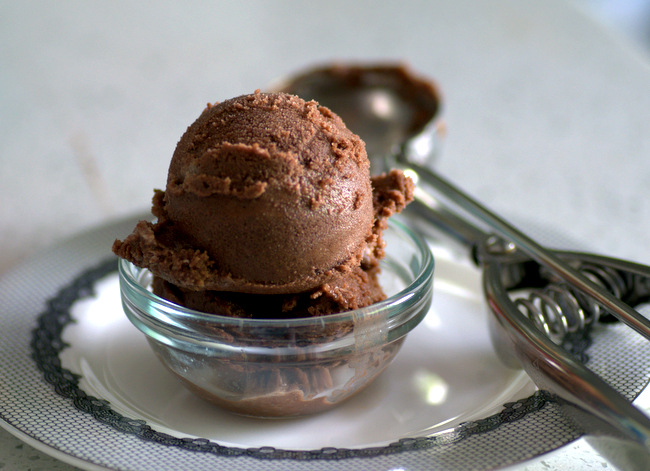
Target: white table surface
548 114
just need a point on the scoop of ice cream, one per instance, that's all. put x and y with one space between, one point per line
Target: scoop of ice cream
358 288
266 193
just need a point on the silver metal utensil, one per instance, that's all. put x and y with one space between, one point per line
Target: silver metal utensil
397 115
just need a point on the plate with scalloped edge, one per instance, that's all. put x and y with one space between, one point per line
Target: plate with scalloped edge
79 382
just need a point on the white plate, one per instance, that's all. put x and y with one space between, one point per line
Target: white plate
445 402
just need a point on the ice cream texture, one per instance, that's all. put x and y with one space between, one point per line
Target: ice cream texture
269 206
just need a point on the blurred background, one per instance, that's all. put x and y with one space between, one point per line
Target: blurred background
88 105
628 18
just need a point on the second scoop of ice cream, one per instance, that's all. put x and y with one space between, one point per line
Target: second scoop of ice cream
266 193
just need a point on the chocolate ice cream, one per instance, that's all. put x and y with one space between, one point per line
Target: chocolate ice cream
269 202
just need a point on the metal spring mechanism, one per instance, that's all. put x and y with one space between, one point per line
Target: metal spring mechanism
558 310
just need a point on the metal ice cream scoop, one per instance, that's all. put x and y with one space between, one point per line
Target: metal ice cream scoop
397 115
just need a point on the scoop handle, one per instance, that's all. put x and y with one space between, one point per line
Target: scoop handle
544 257
438 220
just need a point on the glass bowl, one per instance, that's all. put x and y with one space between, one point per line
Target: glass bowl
286 367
